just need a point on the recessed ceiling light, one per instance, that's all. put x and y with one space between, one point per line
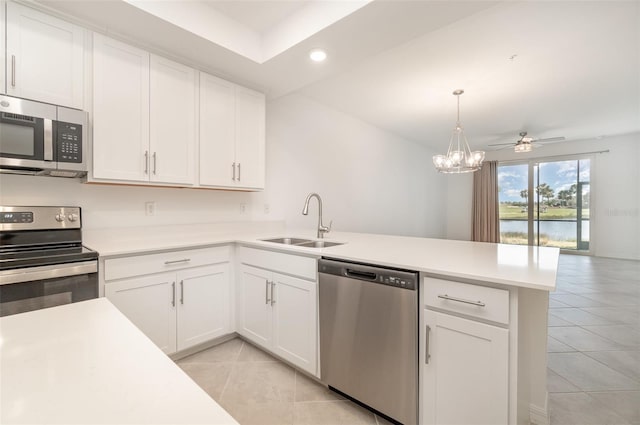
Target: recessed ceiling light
317 55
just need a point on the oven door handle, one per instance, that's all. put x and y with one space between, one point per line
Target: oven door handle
29 274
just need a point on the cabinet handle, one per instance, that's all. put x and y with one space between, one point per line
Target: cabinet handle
13 70
461 300
154 162
273 298
238 171
146 162
173 291
427 356
182 292
233 166
266 292
184 260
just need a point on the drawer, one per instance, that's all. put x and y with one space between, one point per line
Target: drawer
137 265
471 300
296 265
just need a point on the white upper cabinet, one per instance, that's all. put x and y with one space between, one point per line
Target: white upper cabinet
144 114
44 57
232 135
120 111
250 138
3 31
217 131
173 122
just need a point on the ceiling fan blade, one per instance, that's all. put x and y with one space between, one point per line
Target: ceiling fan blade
502 144
549 140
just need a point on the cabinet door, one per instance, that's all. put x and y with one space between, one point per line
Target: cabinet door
44 57
250 138
466 379
217 132
149 302
120 111
3 31
173 121
295 321
203 304
254 305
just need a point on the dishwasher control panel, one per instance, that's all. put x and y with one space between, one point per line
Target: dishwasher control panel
368 272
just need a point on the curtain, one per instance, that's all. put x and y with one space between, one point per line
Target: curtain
486 223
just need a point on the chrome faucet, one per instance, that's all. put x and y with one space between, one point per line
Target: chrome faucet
305 211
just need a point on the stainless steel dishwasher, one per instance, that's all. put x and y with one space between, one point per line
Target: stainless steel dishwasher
369 336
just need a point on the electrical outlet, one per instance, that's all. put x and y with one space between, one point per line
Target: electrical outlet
150 208
267 209
243 208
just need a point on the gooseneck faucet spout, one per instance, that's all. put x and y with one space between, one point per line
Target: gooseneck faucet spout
305 211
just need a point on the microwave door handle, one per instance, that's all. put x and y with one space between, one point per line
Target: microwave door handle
48 140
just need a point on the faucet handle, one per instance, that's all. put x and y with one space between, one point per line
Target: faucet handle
325 229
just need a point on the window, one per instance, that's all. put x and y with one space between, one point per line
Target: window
545 203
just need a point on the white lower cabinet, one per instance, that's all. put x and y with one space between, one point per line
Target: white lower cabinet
278 311
465 369
177 309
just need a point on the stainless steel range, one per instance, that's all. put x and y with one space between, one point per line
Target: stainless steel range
42 260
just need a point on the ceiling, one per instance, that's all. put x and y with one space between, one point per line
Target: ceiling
557 68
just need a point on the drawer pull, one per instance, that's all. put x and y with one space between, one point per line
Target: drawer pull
184 260
173 291
461 300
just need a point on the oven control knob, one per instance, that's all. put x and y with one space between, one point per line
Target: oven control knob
72 217
60 217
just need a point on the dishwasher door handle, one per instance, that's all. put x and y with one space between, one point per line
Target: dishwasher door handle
358 274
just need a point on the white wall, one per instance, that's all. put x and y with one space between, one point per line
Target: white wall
615 188
369 180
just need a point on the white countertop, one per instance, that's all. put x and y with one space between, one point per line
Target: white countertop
85 363
512 265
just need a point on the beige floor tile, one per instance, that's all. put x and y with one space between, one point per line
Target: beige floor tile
225 352
557 384
259 382
310 390
211 377
628 315
589 374
249 353
625 362
581 409
331 413
624 403
269 413
578 316
582 339
382 421
574 300
556 321
555 346
622 334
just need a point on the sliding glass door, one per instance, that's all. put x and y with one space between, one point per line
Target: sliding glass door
545 203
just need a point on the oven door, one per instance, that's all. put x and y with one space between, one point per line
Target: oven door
26 133
34 288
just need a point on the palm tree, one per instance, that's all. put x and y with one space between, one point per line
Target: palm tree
545 191
524 193
565 196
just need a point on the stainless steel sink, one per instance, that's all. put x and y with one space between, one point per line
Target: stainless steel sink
288 241
319 244
307 243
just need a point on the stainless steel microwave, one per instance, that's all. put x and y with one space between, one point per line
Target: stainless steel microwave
41 139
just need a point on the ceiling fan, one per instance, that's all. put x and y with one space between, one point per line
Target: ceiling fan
525 144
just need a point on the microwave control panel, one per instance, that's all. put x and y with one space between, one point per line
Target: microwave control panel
69 142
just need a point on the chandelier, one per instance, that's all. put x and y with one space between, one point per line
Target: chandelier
459 158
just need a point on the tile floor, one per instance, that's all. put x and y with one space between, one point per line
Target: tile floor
593 374
594 342
256 388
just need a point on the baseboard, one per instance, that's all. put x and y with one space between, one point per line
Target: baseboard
538 415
